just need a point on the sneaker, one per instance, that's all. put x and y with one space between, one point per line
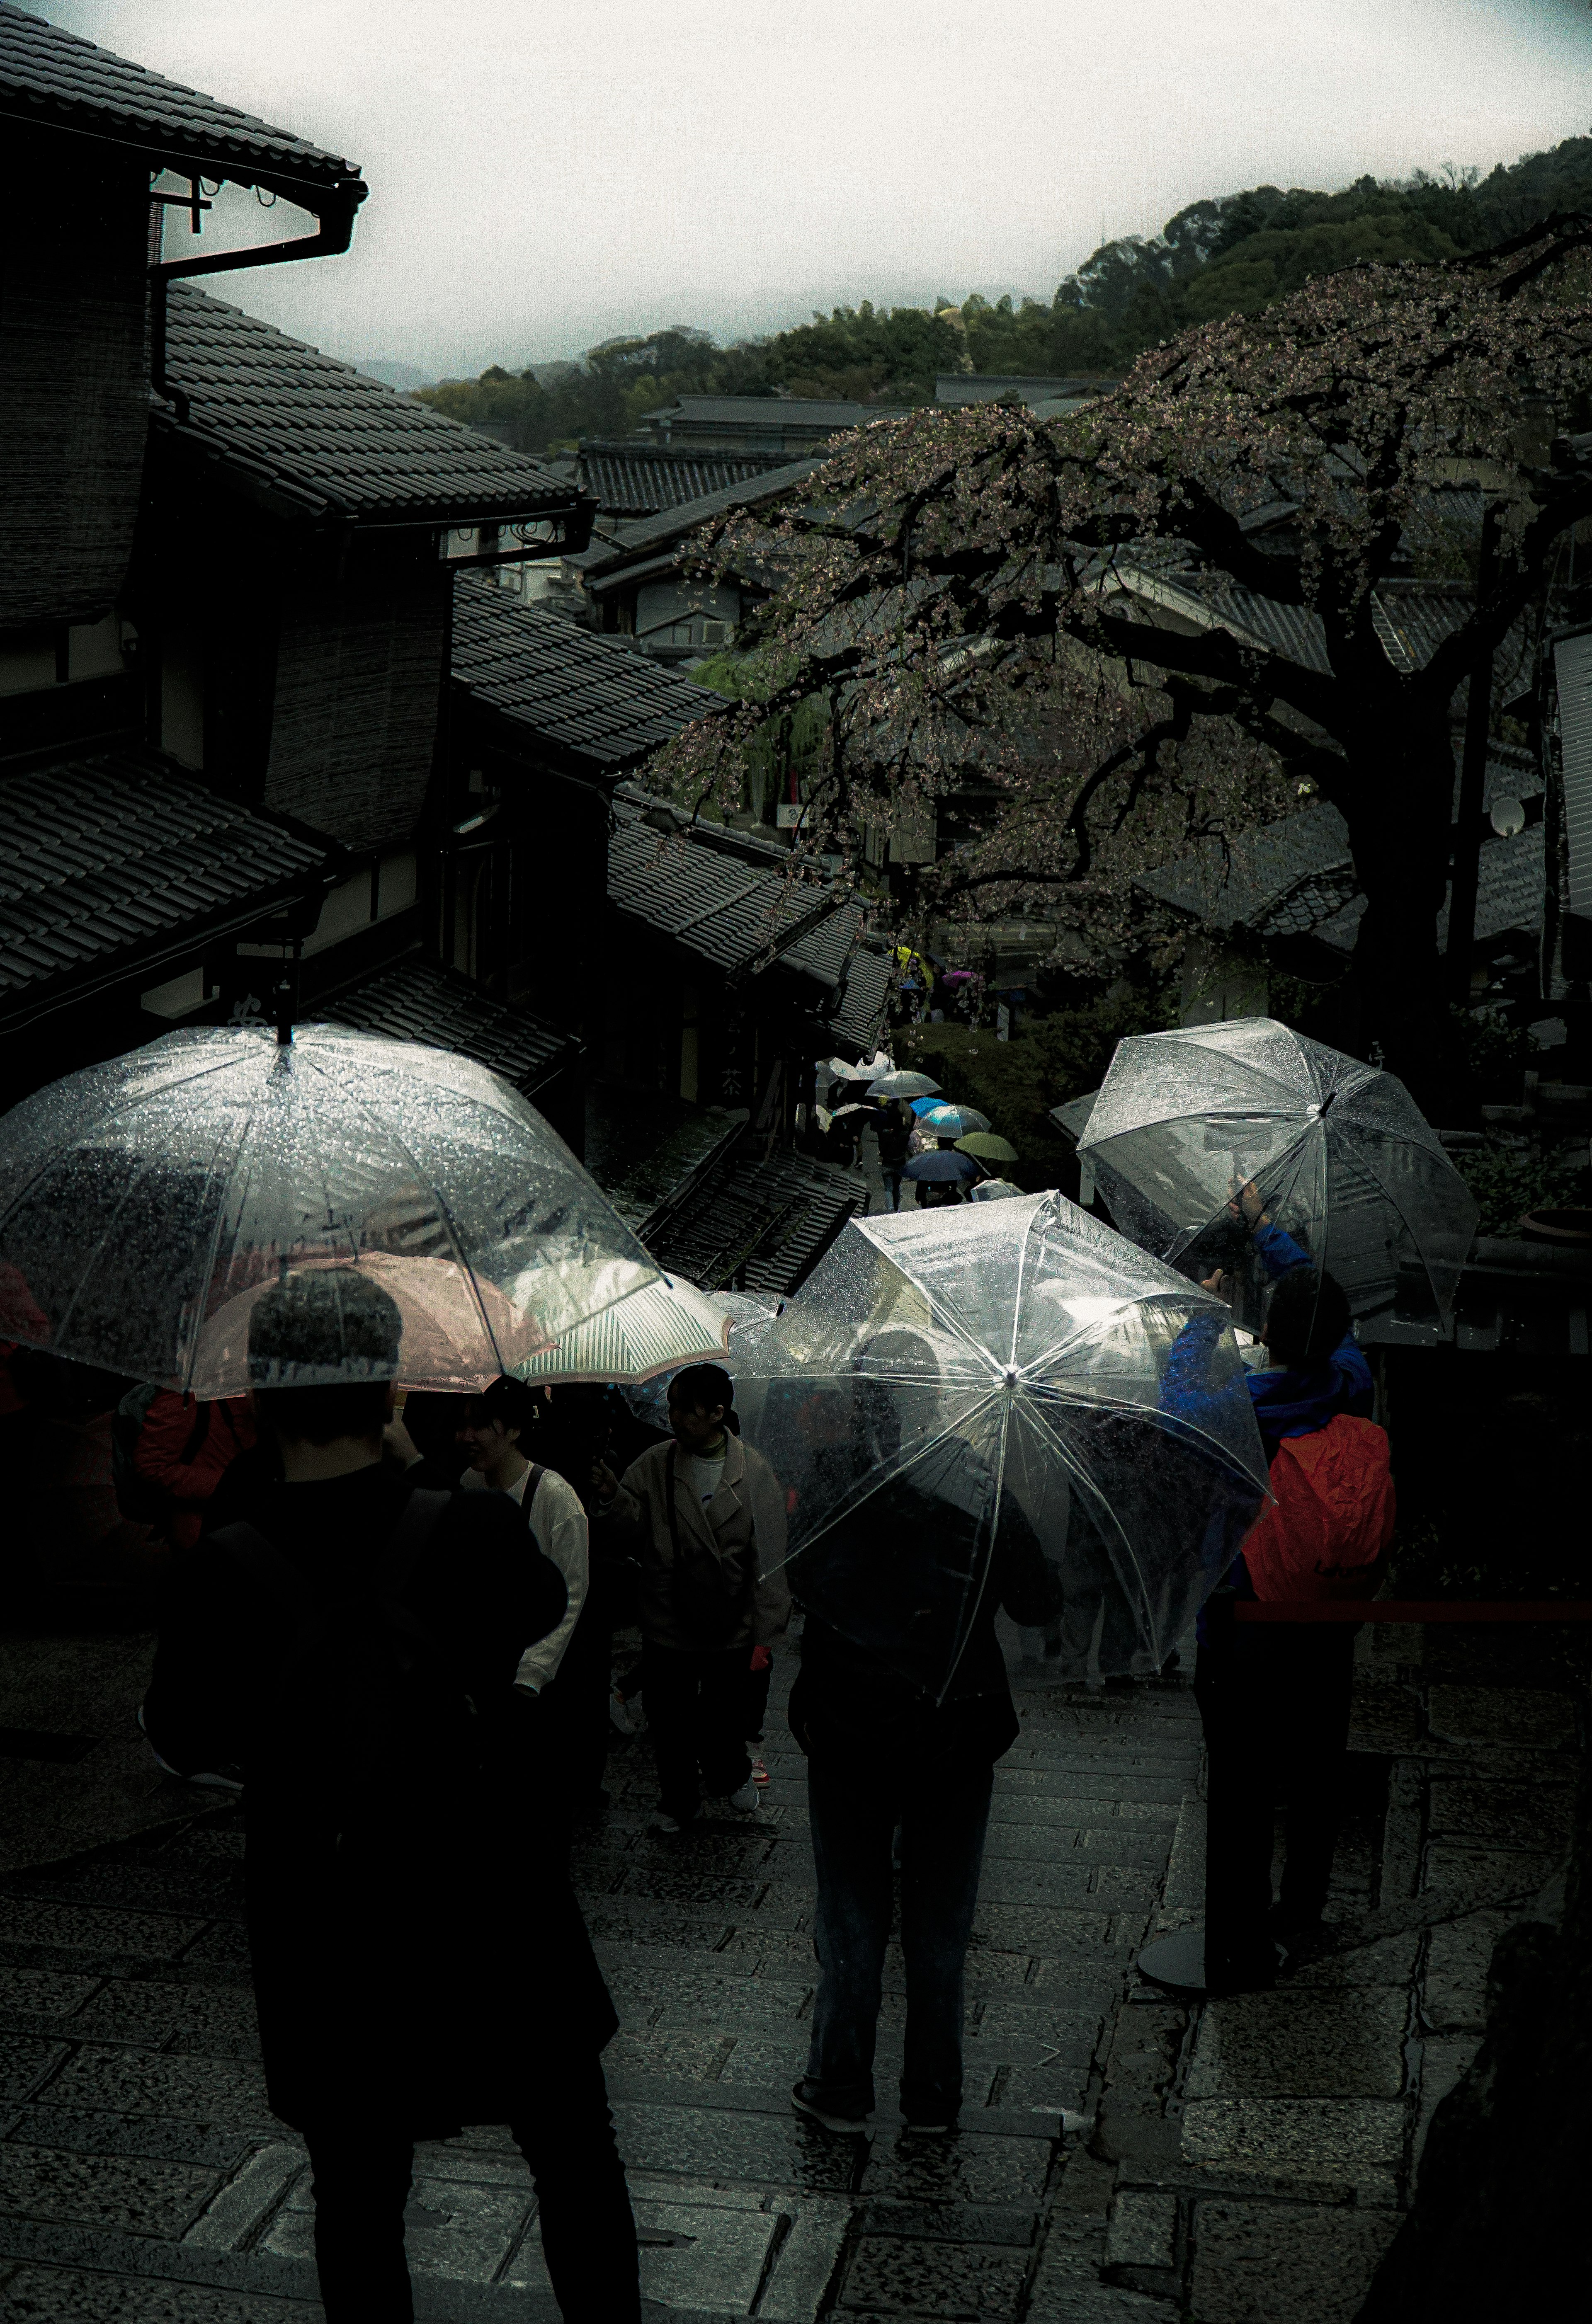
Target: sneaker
214 1779
929 2129
744 1802
627 1716
849 2125
759 1774
664 1823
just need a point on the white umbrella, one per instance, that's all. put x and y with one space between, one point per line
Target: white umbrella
655 1330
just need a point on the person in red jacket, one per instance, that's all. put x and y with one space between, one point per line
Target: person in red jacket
1274 1697
184 1450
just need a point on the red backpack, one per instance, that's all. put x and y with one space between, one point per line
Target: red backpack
1333 1516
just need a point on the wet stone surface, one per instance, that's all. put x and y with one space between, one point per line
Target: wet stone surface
1236 2162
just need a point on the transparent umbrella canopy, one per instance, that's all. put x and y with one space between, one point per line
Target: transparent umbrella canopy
1339 1155
145 1202
956 1393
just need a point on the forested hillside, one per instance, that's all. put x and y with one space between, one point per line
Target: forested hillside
1219 257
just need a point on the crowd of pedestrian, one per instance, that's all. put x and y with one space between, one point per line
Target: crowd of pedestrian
392 1627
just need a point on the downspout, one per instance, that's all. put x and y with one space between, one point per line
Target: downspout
333 205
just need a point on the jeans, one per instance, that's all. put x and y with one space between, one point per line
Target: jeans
361 2174
891 1172
1274 1703
695 1704
854 1817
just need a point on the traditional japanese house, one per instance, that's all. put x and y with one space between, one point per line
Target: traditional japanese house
122 872
636 583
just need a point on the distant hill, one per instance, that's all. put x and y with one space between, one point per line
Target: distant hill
1223 256
404 376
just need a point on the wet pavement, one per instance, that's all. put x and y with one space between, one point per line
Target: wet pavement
1121 2155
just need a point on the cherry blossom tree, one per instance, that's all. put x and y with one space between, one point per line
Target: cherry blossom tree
966 591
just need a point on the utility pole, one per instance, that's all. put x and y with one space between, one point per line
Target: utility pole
1473 780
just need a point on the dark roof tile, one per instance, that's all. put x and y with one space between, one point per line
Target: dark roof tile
755 1225
52 77
289 416
635 481
107 854
580 692
655 534
411 1001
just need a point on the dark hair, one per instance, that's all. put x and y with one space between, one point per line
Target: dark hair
509 1402
1308 1315
318 1415
323 1350
700 1387
323 1327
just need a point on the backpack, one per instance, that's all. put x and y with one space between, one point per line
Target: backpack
369 1730
1332 1517
139 1499
709 1594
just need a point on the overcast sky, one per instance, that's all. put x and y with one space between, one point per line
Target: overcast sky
544 174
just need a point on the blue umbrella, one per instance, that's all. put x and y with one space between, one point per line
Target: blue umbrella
953 1120
942 1166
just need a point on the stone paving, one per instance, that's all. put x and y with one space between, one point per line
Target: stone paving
1121 2157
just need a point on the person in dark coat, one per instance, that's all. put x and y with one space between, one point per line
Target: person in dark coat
420 1963
859 1710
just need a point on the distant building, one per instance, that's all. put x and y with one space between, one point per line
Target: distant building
1046 398
787 424
635 584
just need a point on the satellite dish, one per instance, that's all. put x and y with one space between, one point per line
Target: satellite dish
1508 817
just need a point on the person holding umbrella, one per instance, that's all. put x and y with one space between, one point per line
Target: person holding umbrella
355 1647
1324 1535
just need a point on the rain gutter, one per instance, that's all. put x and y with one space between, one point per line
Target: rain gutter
332 205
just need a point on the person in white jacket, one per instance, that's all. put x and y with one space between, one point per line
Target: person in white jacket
568 1669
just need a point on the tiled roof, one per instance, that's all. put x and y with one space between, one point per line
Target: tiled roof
1296 877
642 480
755 1225
1572 668
781 410
726 905
856 967
655 533
1245 883
53 78
733 900
120 856
330 440
412 1000
583 694
1411 618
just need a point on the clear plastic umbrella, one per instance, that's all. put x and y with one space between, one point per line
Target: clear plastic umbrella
142 1201
1338 1153
954 1389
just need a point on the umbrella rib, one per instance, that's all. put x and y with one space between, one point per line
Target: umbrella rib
1075 1467
989 1559
885 1476
1174 1424
206 1273
423 1179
